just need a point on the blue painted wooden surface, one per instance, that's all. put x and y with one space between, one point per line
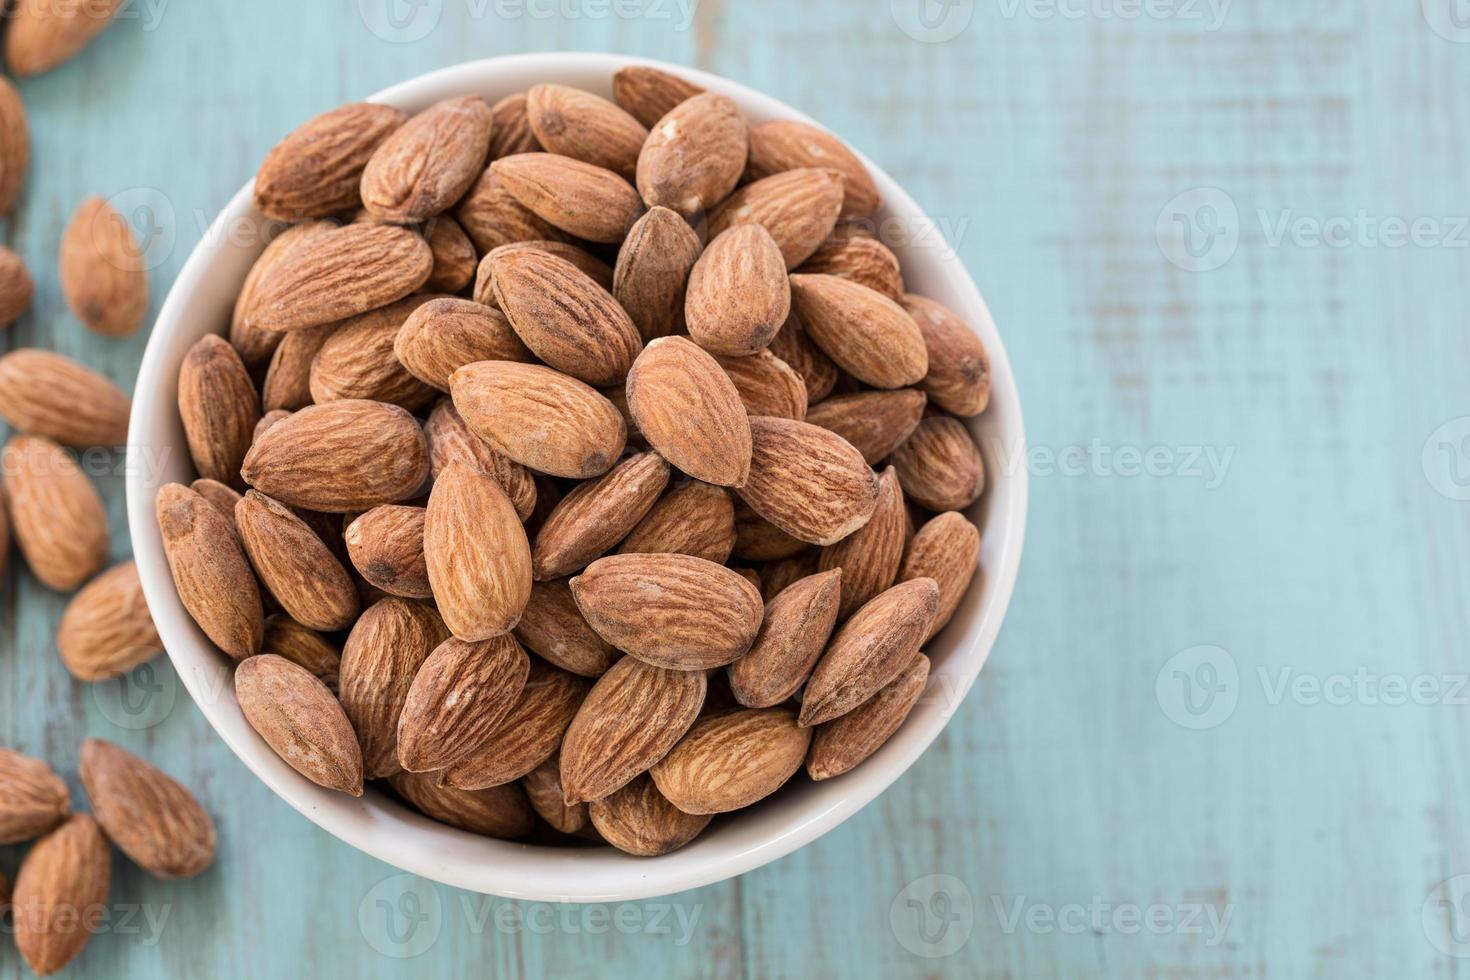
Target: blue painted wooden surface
1224 731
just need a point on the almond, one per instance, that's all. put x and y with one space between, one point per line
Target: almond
578 198
387 548
492 216
383 654
757 539
451 441
288 639
640 820
267 420
540 418
738 294
501 811
148 814
427 164
596 515
798 622
599 271
301 572
210 571
316 171
15 144
564 317
458 699
478 557
817 371
255 345
543 789
959 369
674 611
340 273
731 760
455 260
288 379
787 144
357 361
445 334
872 648
584 126
107 629
940 466
692 519
946 549
46 394
57 514
223 498
510 128
767 385
842 743
103 275
807 481
799 208
301 721
875 422
652 271
693 156
690 411
861 259
777 576
16 286
33 799
552 626
525 736
345 455
870 555
867 334
219 408
44 34
630 719
61 891
649 93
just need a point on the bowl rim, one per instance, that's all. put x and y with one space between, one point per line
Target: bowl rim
381 827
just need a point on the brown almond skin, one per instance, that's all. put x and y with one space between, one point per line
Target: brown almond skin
818 373
640 820
56 513
543 789
798 622
865 333
300 571
47 394
652 271
692 519
649 93
959 368
106 629
255 345
477 553
869 557
288 639
357 361
528 734
578 198
17 288
870 650
219 407
15 144
450 440
428 163
777 576
729 761
738 295
61 894
757 539
564 317
946 549
553 627
33 799
149 815
690 411
596 515
587 263
492 217
787 144
875 422
693 156
383 654
458 698
316 171
210 571
863 260
841 744
510 128
455 260
386 545
502 811
102 273
301 721
799 208
767 385
342 456
269 419
540 418
807 481
288 378
631 718
443 335
940 466
584 126
340 273
222 497
674 611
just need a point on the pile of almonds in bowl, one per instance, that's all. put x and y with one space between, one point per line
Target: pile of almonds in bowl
578 468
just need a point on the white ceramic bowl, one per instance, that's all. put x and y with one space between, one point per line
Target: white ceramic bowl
200 302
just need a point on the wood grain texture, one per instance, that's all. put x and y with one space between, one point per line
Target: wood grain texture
1048 147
